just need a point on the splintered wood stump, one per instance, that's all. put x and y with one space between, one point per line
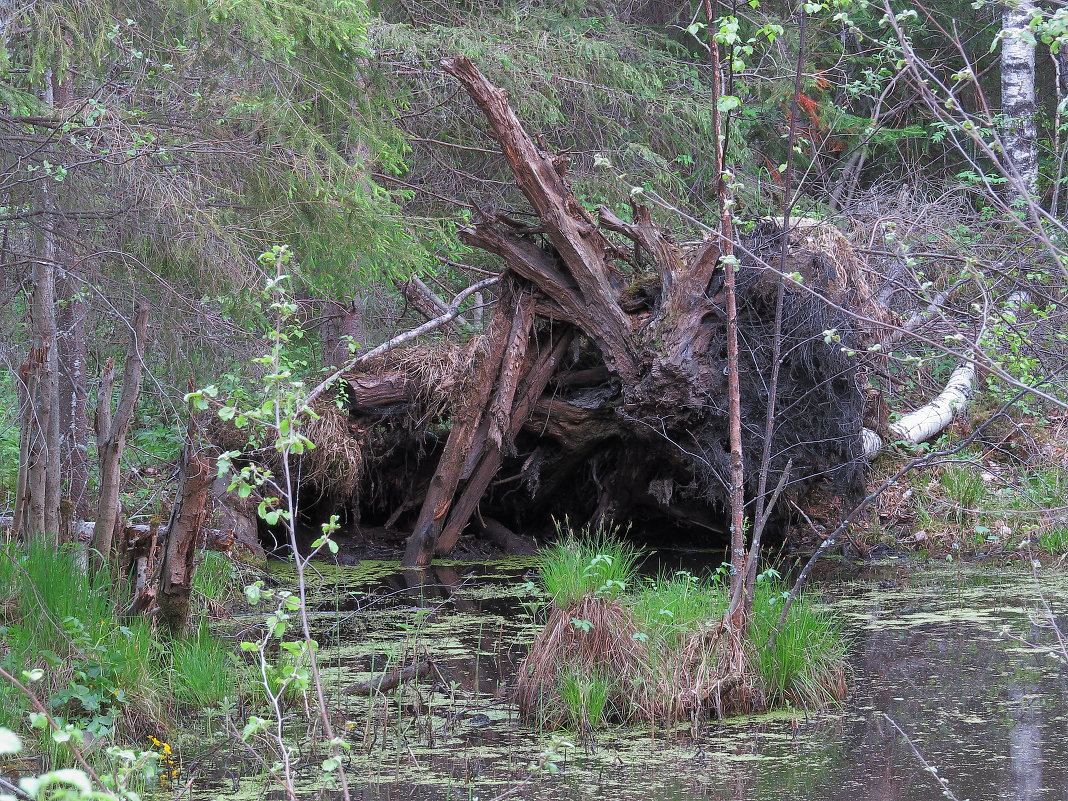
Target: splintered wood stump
184 535
599 387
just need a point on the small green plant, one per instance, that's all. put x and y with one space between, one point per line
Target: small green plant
129 769
965 487
1054 541
672 606
586 699
203 670
804 664
591 562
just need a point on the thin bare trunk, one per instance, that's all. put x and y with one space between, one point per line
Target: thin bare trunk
111 435
764 503
738 619
73 393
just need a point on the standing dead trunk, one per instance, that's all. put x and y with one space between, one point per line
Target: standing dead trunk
342 330
184 534
111 432
74 395
1018 107
238 515
37 512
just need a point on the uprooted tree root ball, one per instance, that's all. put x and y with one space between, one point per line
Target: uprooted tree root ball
617 648
598 388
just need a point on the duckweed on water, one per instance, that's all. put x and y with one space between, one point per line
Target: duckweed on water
944 677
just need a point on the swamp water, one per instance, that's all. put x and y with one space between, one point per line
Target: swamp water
930 647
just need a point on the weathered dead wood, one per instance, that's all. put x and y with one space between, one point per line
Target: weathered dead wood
507 540
422 299
136 534
185 533
238 521
467 431
633 416
490 462
370 391
111 429
570 228
391 680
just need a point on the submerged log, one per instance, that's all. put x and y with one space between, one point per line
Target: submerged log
391 680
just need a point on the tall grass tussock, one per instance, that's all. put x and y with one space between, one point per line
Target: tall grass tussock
110 675
617 647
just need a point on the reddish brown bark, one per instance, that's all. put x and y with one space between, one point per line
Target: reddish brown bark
470 427
184 534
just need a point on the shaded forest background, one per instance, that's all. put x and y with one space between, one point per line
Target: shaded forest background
153 152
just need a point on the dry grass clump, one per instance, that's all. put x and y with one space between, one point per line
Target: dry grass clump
591 641
335 464
620 649
333 467
437 370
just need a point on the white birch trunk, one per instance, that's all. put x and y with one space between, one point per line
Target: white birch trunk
932 419
929 420
1018 107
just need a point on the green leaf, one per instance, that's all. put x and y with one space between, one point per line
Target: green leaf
254 726
253 592
9 742
728 103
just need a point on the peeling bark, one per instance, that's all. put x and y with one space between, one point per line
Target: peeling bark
184 534
1018 105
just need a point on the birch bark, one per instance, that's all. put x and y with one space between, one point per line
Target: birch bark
1018 106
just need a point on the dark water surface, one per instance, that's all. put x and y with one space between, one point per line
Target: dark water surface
931 648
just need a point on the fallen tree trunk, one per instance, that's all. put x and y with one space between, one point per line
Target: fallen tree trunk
134 534
931 419
934 417
600 380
